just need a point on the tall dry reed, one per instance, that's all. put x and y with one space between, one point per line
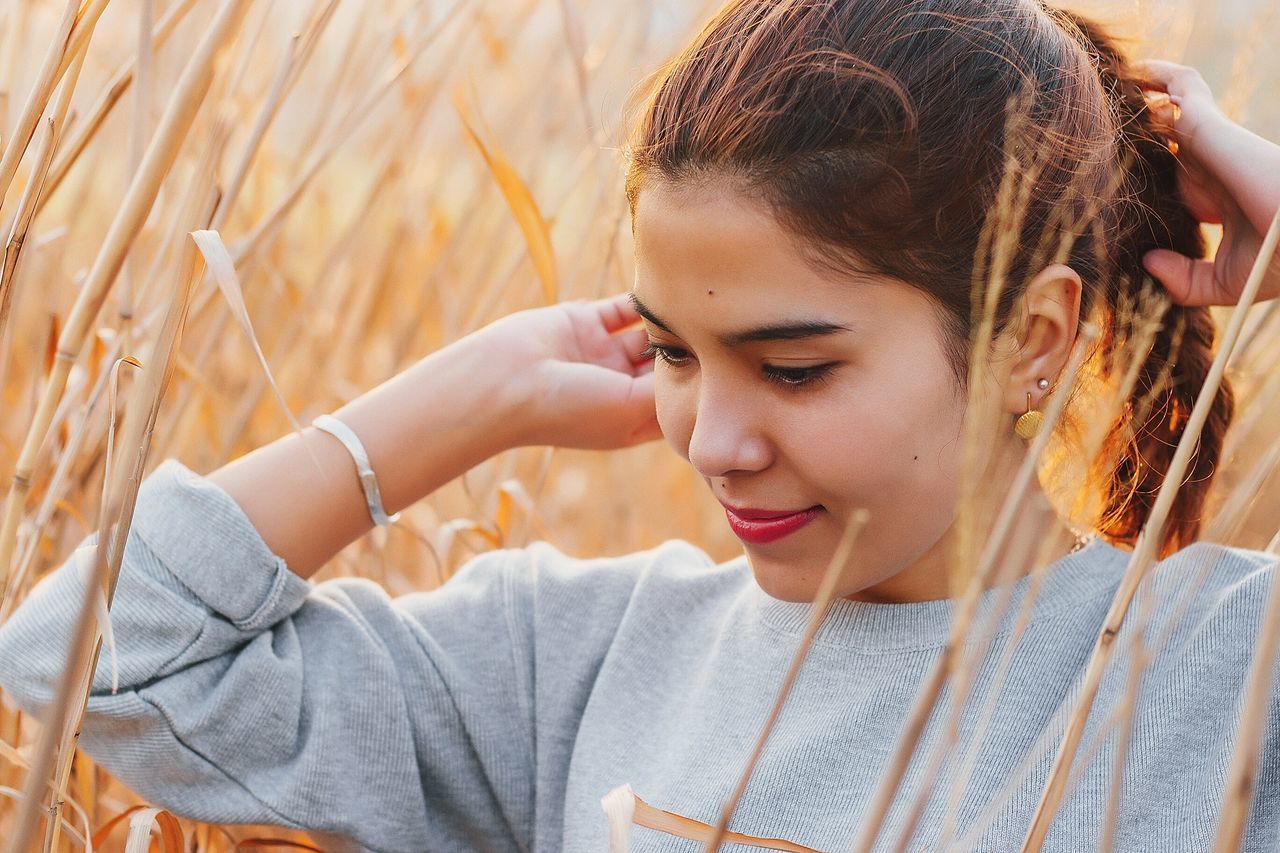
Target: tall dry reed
387 176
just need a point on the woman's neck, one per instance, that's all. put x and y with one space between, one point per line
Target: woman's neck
1034 536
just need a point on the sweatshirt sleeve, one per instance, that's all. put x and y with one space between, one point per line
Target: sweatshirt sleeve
249 695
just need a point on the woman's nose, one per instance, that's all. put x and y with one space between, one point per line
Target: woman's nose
728 434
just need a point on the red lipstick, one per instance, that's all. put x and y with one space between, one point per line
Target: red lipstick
760 526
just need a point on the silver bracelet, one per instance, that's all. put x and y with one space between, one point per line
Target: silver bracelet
368 481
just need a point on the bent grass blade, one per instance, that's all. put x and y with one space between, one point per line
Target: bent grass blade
137 204
533 225
624 810
143 822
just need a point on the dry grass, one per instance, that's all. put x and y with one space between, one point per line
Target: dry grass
387 176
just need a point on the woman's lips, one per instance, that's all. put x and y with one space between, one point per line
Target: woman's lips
759 526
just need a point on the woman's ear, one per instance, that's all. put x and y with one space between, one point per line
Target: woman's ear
1050 316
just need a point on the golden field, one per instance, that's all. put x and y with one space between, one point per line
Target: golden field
387 176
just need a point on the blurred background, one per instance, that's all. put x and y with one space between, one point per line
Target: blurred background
370 228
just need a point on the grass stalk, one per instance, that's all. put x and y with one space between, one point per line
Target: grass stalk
1226 523
817 615
997 245
137 141
78 138
258 237
1017 562
169 136
1260 327
190 209
1150 310
56 484
129 482
991 267
300 49
969 758
60 730
576 40
1244 424
29 203
22 222
15 29
20 135
966 610
1145 550
1139 656
1242 775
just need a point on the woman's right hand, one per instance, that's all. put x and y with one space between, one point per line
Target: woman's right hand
578 373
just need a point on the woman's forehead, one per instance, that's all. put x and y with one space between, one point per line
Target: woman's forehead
705 246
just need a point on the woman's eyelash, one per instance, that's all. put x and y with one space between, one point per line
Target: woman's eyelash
671 355
795 377
789 377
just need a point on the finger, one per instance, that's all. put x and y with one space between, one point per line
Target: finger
641 404
1154 73
1204 196
1189 282
648 431
1180 81
632 342
616 312
1164 113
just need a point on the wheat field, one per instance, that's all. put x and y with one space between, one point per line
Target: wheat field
386 176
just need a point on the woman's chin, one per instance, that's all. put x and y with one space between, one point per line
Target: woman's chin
785 582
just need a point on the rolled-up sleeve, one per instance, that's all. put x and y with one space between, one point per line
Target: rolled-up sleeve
250 695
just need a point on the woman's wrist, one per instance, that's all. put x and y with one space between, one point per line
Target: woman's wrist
437 419
420 429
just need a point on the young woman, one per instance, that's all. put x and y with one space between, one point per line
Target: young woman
809 187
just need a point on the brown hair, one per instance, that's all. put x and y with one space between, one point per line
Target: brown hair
880 131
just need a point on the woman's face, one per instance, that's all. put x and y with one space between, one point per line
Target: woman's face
800 395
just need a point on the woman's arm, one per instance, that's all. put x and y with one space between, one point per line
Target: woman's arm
421 428
248 694
562 375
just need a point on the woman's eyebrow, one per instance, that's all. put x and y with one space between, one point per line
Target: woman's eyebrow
787 331
793 331
645 312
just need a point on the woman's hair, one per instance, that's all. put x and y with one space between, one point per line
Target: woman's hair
884 133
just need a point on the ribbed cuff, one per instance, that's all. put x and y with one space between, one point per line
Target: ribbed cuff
205 540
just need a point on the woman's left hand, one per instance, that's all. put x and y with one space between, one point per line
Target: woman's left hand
1231 177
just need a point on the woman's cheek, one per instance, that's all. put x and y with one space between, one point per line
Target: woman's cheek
869 453
858 444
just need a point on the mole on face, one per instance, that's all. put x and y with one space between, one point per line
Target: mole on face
711 293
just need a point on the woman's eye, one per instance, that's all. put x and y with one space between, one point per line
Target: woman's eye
671 355
788 377
795 377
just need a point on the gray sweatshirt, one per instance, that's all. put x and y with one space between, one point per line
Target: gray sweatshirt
495 712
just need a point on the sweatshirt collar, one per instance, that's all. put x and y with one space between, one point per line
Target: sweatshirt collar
1080 576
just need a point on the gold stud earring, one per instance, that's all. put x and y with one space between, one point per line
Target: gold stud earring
1028 424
